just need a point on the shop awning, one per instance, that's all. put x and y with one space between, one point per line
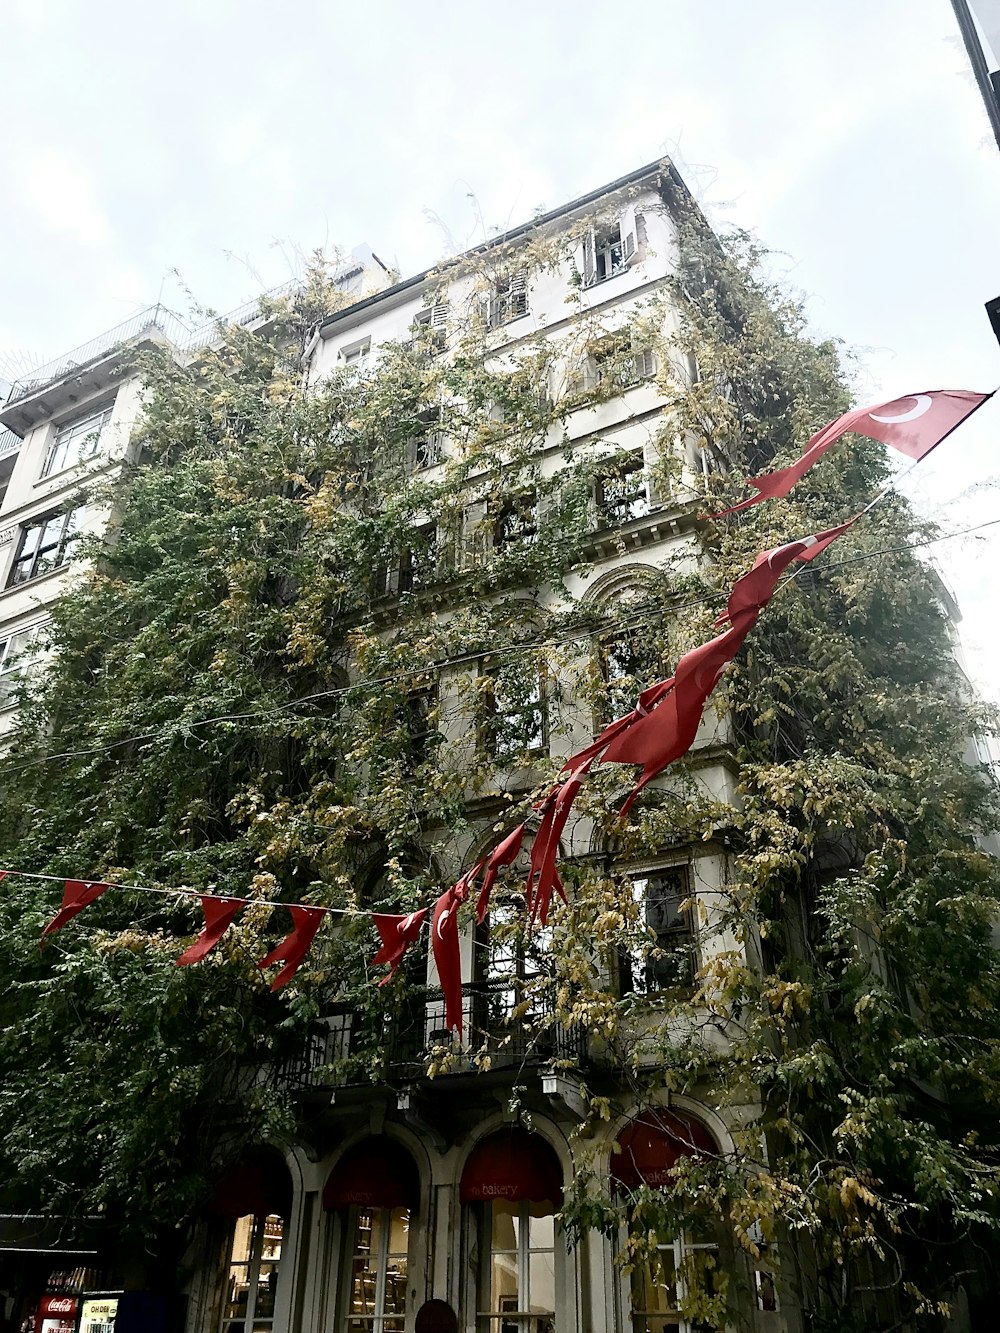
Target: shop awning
512 1164
650 1146
378 1172
258 1186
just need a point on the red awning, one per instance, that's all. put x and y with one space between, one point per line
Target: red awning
649 1147
259 1186
512 1164
376 1173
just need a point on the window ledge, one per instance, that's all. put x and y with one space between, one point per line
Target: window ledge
36 581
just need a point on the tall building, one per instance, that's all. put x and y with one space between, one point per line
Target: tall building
414 1203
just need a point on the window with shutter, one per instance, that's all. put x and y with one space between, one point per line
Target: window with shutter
667 959
429 328
426 446
509 298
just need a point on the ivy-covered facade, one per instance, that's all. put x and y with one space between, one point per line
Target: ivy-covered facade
366 570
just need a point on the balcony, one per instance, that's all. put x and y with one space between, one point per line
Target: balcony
351 1047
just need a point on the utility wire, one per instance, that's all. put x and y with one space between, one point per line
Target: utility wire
379 682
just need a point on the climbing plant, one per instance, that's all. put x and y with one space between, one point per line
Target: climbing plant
305 667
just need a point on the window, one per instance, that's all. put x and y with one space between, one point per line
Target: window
666 961
12 665
628 662
429 328
619 363
508 299
517 1281
420 562
45 544
610 248
623 491
76 440
420 732
514 713
376 1301
253 1275
427 445
356 356
659 1286
515 521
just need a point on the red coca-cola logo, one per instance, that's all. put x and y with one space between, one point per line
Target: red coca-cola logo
57 1305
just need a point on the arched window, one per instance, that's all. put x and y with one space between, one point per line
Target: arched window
376 1188
512 1186
648 1150
256 1194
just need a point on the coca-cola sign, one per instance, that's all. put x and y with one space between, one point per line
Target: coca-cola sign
57 1305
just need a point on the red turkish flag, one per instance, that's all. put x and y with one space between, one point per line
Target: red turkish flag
754 590
294 947
219 913
543 876
77 894
447 954
397 934
670 727
914 424
505 854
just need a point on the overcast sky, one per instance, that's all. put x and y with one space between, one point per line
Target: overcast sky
225 138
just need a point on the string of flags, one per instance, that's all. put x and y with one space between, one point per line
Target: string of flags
659 730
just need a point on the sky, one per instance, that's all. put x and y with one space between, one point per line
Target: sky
203 147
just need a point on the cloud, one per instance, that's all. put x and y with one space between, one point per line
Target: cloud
62 195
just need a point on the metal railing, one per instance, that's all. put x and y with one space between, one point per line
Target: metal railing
9 442
504 1019
166 323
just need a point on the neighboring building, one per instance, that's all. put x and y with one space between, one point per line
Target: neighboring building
423 1191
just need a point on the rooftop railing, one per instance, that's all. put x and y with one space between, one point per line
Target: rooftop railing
156 319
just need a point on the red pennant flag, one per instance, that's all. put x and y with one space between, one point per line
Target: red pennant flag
544 876
914 424
397 933
754 590
503 855
294 947
669 729
219 914
77 894
447 954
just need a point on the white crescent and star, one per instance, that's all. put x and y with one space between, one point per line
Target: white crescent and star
441 920
922 402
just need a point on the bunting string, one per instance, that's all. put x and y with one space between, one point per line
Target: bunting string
660 729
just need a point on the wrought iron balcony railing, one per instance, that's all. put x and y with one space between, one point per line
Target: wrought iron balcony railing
507 1020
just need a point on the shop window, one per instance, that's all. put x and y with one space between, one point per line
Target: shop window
378 1247
517 1286
45 544
77 440
666 960
622 491
658 1287
253 1274
513 721
512 1181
